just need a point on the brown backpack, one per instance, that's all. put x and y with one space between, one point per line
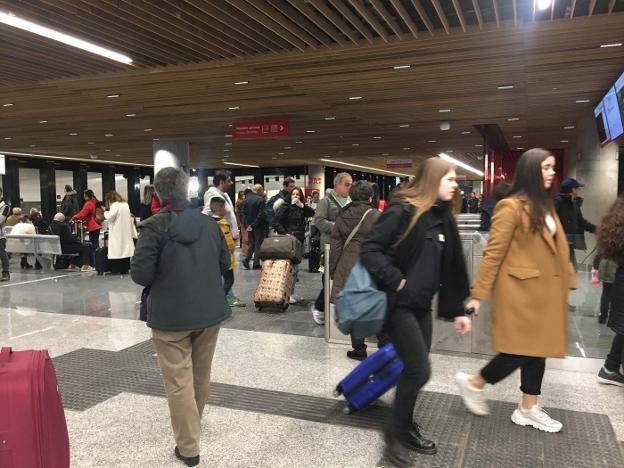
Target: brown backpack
99 214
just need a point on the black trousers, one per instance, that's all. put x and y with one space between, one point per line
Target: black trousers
84 252
410 332
228 281
615 358
256 238
94 238
573 257
531 371
319 304
360 344
4 258
605 299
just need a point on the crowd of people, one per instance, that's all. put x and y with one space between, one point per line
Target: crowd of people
186 257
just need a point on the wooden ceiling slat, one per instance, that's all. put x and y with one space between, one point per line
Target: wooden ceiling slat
477 9
441 15
387 17
354 20
335 19
460 14
592 5
370 18
302 22
318 20
268 23
611 6
496 14
407 19
423 15
289 24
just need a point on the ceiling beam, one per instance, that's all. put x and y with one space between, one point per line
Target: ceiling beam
495 3
318 20
460 14
387 17
423 15
611 6
335 19
354 20
370 18
592 5
441 15
477 8
572 6
407 19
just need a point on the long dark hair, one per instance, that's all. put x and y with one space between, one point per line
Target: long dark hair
611 232
529 182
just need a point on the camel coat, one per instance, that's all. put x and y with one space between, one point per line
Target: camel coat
529 276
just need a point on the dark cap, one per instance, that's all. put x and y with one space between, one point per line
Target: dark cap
570 183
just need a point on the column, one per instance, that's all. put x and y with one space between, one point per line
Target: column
108 180
171 153
81 180
134 191
11 182
48 191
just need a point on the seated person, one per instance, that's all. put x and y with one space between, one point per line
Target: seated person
70 244
25 228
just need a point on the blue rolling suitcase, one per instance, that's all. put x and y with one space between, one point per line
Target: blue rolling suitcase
370 379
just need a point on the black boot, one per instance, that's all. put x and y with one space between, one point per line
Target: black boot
416 441
188 461
246 264
357 354
397 453
602 319
5 276
24 264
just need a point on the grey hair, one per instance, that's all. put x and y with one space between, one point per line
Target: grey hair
340 176
258 188
60 217
362 190
171 183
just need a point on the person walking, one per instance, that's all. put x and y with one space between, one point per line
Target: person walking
499 192
611 244
417 233
87 215
324 218
121 233
70 205
186 304
351 226
291 219
253 218
243 237
526 270
5 209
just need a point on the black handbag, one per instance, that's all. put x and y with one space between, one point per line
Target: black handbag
281 248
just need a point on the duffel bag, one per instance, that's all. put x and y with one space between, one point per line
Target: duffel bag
281 248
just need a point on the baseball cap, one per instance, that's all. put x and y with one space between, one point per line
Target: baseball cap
570 183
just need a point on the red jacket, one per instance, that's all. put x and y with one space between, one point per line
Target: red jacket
155 205
87 215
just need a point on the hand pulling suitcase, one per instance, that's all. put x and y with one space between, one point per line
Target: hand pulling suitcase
33 430
277 280
370 379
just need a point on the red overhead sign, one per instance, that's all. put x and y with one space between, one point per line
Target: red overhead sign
399 163
259 129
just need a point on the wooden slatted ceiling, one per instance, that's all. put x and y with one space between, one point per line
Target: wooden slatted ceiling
457 71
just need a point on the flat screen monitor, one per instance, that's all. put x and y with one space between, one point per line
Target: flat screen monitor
601 123
613 115
618 89
2 165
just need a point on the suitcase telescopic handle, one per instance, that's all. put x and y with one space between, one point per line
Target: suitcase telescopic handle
4 355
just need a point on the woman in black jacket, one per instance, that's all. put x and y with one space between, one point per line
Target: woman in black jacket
413 252
611 245
290 219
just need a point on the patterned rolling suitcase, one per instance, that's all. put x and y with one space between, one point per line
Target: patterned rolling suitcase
33 431
370 379
277 280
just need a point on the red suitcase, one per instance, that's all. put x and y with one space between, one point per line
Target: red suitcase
33 430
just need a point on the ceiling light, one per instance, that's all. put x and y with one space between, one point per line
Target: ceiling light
226 150
446 157
228 135
238 164
233 108
385 154
65 158
118 154
513 119
432 141
555 89
407 148
401 67
112 96
241 83
108 134
377 138
299 142
502 87
287 147
374 169
582 101
226 155
310 131
520 148
130 115
404 126
569 127
444 111
73 134
12 20
107 150
517 136
91 143
450 151
280 154
614 44
478 146
7 138
229 143
8 104
155 139
147 129
355 144
43 121
33 146
330 118
563 141
274 157
328 156
466 133
543 4
355 98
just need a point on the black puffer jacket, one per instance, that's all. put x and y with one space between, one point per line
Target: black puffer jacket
290 219
572 220
616 317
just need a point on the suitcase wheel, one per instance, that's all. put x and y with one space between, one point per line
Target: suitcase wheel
337 392
347 410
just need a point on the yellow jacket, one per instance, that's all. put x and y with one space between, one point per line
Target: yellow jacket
227 233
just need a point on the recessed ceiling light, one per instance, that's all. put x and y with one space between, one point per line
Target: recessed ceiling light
299 142
407 148
355 144
401 67
385 154
238 83
118 154
155 139
520 148
287 147
613 44
502 87
43 121
91 143
444 111
107 150
432 141
8 104
228 143
229 135
274 157
108 134
450 151
355 98
280 154
112 96
513 119
310 131
330 118
569 127
233 108
374 169
93 156
328 156
147 129
555 89
582 101
517 136
238 164
226 155
478 146
404 126
130 115
377 138
461 164
73 134
7 138
226 150
563 141
466 132
33 146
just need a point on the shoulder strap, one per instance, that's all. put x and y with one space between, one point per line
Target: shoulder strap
356 228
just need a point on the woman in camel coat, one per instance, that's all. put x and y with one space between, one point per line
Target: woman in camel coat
527 272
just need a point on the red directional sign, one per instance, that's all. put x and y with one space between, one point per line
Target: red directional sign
259 129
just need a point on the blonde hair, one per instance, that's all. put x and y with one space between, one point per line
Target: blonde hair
422 191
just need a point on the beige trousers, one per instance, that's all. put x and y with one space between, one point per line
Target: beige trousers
185 359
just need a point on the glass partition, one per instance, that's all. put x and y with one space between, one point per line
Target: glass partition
62 179
94 182
121 185
30 191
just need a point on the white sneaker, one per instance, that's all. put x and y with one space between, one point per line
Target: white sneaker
317 316
473 397
87 268
292 300
73 268
296 298
535 417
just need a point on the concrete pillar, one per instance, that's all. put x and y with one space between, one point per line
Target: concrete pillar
134 191
47 181
171 153
108 180
80 182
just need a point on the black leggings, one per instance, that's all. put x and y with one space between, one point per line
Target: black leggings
616 357
228 281
410 332
605 299
531 371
